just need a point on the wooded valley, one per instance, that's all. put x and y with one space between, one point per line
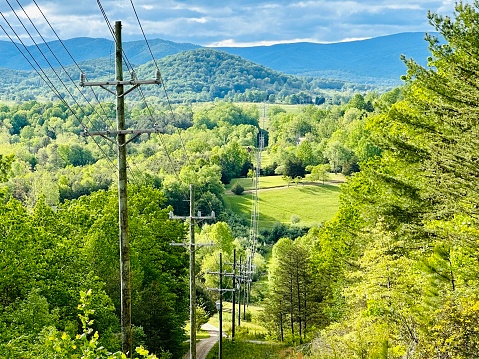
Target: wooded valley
391 273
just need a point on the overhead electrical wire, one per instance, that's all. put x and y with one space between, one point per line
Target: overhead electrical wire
162 82
131 70
70 55
39 68
61 65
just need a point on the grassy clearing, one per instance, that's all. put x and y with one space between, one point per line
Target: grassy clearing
248 350
312 204
264 182
250 329
277 181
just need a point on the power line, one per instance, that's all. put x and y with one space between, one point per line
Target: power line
132 73
39 69
68 52
162 83
59 62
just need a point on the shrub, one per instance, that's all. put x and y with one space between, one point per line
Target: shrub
237 188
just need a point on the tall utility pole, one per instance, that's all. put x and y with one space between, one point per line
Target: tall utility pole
192 250
121 132
234 296
239 292
126 335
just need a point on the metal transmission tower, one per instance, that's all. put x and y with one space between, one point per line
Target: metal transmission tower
192 249
255 200
120 133
254 226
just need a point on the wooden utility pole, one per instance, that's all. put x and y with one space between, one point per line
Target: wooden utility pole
239 292
192 248
220 342
219 305
121 132
234 296
126 335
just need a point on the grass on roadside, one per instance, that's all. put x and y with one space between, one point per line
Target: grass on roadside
247 350
250 328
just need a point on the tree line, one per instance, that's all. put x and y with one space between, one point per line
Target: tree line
199 75
396 269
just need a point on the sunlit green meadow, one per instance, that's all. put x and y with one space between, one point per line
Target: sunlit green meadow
301 204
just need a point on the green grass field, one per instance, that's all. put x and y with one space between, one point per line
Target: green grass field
248 329
312 204
248 350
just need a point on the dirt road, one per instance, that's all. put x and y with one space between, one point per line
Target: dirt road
204 346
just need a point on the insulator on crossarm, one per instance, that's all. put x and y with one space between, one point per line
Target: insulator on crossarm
82 79
133 75
158 75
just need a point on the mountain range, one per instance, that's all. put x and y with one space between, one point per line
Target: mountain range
371 61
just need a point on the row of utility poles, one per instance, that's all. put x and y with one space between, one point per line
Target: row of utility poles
241 276
192 247
242 280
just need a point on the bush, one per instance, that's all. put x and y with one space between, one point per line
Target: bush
237 188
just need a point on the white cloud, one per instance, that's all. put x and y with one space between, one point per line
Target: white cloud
239 23
200 20
234 43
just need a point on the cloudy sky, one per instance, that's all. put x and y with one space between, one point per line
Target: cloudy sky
228 22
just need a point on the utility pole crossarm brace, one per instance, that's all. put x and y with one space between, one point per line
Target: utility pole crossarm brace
212 216
133 82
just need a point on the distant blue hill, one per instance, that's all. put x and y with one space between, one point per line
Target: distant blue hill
359 61
84 48
375 61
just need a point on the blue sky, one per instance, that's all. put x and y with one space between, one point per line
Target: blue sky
232 23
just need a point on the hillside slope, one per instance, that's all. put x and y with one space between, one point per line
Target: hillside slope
372 61
197 75
83 49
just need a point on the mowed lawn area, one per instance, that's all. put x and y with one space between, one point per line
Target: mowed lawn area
311 203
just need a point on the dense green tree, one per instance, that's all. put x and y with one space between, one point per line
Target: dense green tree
76 155
233 159
18 121
5 166
414 283
292 299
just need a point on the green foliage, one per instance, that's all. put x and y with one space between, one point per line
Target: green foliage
202 317
319 173
237 188
246 350
233 159
221 113
5 167
408 281
85 345
48 256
